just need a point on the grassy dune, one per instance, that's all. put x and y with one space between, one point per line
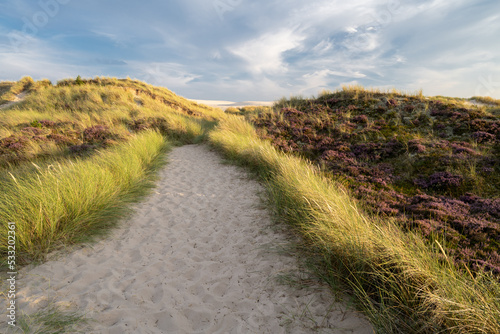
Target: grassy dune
9 90
71 200
429 164
398 279
74 155
77 119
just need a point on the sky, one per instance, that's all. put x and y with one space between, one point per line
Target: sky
258 50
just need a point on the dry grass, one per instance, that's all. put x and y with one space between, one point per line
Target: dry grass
397 278
56 196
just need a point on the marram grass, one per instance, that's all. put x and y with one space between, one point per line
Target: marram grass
56 199
70 201
400 282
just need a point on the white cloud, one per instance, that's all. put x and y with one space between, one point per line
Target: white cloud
314 82
265 49
116 39
170 75
36 58
363 42
264 54
399 59
15 66
322 47
478 79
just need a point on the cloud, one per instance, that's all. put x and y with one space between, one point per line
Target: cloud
105 61
265 53
165 74
262 49
115 39
37 66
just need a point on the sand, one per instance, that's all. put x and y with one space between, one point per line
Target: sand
17 98
477 103
226 104
199 255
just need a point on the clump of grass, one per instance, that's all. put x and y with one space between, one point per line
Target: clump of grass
5 88
67 202
23 85
247 111
403 284
486 100
52 320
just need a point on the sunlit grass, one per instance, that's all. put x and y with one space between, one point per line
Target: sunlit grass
70 201
57 197
397 278
486 100
53 320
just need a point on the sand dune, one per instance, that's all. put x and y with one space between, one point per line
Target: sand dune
195 257
226 104
18 98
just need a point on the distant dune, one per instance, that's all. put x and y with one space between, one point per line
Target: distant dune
226 104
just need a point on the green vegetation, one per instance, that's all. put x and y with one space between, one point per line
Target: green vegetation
248 110
71 119
74 155
4 88
70 201
486 100
397 279
430 164
9 90
52 320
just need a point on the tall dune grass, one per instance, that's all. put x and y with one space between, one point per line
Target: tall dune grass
8 91
72 200
398 280
126 108
56 198
5 87
403 284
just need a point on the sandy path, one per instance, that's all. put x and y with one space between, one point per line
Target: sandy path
226 104
194 258
477 103
18 98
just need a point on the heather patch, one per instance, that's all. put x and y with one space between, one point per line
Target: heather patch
431 165
60 139
81 149
13 143
96 133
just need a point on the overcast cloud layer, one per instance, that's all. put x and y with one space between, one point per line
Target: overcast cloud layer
260 49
